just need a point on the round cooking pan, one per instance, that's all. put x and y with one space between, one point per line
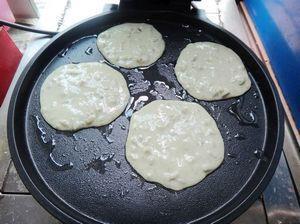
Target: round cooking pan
83 176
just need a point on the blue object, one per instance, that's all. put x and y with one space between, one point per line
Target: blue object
278 25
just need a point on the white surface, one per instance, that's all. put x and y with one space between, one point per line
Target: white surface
83 95
210 71
224 13
23 8
174 143
131 45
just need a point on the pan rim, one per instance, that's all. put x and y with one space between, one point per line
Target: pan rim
63 216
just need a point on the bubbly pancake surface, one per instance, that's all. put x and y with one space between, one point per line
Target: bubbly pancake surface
211 71
76 96
131 45
174 143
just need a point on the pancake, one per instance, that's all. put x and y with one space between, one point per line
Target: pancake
76 96
131 45
174 143
210 71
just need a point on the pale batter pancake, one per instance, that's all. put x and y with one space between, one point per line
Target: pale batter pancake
131 45
83 95
174 143
210 71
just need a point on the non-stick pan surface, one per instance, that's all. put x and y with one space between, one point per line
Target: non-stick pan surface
84 176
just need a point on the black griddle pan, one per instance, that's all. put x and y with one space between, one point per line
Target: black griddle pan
83 177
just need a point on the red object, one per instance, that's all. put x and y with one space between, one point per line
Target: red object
10 57
5 13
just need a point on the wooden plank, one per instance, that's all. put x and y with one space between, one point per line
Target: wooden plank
13 183
23 209
292 153
280 197
255 214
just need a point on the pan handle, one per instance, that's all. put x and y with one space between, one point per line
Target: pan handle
174 5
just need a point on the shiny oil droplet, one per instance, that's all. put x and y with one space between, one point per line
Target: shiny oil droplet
63 52
163 213
53 143
160 83
140 102
151 188
236 110
164 91
75 137
57 166
258 153
214 107
124 193
145 67
117 163
183 95
128 110
133 176
99 164
153 92
108 131
89 51
108 139
240 136
41 129
256 95
231 155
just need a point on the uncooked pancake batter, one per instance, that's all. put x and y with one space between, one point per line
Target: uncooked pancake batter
210 71
174 143
83 95
131 45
